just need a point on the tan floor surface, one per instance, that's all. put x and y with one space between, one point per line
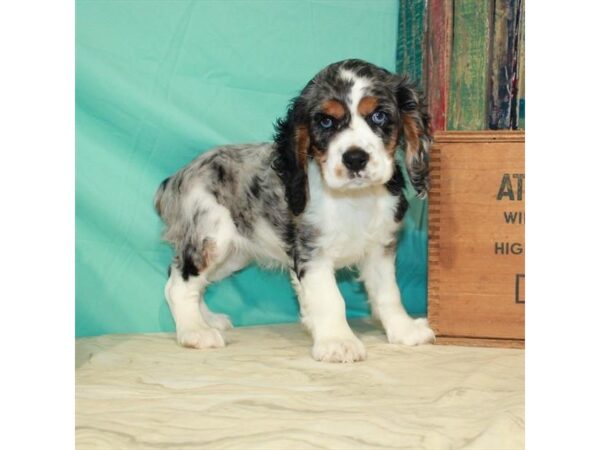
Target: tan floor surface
263 391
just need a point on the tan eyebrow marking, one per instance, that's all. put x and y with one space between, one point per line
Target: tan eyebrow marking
334 109
367 105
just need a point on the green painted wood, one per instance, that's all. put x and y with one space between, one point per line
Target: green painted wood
467 109
411 35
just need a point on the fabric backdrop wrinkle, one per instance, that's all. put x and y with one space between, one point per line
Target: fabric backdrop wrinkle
158 83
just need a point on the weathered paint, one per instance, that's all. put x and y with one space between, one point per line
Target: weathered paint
521 70
438 52
470 57
469 71
411 34
502 108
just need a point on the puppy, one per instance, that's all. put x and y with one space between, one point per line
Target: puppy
326 194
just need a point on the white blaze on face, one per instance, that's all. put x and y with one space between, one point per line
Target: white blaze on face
359 134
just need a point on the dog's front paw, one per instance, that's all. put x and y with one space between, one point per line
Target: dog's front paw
200 338
409 332
343 350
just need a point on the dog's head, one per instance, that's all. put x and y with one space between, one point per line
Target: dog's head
350 118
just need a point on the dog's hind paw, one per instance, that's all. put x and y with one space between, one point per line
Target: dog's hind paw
200 338
219 321
215 320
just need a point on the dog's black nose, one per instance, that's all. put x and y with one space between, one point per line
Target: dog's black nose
355 159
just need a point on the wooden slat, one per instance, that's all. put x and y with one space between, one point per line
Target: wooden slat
503 89
433 258
469 71
410 44
521 70
437 60
478 342
476 136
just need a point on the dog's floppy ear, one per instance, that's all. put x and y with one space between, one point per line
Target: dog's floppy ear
292 143
415 133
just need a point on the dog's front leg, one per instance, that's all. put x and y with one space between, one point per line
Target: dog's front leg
378 271
324 313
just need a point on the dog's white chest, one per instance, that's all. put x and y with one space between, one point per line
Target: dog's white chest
351 223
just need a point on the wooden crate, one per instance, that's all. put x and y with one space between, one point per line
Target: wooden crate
477 238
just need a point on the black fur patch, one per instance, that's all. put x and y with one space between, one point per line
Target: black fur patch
395 186
188 268
164 182
304 249
405 98
159 193
401 208
286 164
220 172
255 187
396 183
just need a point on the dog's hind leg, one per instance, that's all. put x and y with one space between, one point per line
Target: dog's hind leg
196 326
218 321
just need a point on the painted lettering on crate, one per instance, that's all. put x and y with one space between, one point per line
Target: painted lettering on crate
514 217
511 187
520 288
508 248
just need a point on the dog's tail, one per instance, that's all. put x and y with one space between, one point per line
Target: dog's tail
158 197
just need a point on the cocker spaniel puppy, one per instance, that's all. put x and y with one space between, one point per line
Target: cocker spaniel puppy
326 194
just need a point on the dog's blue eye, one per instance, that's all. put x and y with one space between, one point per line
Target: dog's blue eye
326 122
379 117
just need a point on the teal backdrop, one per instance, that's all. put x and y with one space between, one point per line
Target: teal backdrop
159 82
